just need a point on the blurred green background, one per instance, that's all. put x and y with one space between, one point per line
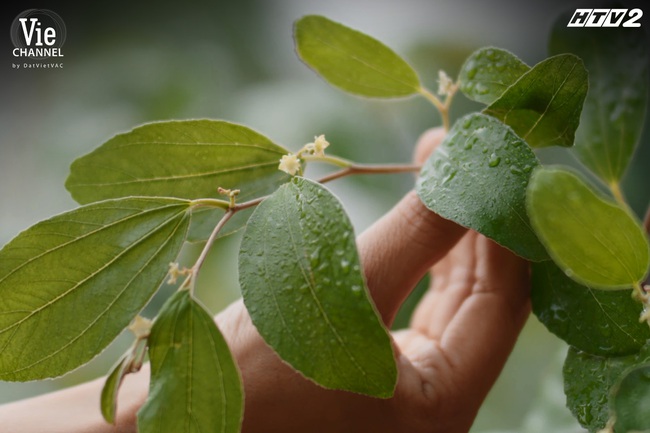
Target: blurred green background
128 63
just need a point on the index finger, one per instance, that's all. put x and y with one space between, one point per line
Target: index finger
398 250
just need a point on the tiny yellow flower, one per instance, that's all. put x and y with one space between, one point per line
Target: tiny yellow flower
141 326
175 271
319 145
290 164
445 83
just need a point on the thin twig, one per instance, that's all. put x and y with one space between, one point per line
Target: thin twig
208 245
233 209
371 169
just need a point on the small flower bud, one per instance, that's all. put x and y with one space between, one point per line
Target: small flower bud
175 271
318 147
141 327
445 83
290 164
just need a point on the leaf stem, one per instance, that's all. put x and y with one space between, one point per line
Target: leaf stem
443 107
615 188
232 208
210 202
432 98
371 169
640 294
330 159
206 249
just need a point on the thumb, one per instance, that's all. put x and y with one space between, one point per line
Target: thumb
399 248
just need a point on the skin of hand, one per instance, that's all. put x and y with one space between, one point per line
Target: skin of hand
460 336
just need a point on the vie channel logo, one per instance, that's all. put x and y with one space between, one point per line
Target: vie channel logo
37 34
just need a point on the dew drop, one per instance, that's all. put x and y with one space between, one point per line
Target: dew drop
314 259
646 374
584 415
494 160
516 170
481 89
449 177
471 72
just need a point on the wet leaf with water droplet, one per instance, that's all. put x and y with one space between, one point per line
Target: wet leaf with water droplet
631 399
477 189
613 115
598 322
488 72
592 239
543 106
588 380
302 283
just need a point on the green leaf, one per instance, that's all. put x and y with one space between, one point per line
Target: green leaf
488 72
187 159
478 177
90 271
630 401
108 400
353 61
195 383
588 380
303 287
598 322
592 239
204 220
543 106
614 111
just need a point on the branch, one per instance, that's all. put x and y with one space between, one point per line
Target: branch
208 245
371 169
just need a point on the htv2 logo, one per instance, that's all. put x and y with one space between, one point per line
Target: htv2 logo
606 18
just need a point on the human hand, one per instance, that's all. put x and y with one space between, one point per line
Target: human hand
460 336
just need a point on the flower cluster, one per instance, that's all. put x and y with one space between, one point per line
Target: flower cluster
141 327
290 163
317 148
446 85
175 271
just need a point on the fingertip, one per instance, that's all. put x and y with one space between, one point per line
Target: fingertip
400 248
427 143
